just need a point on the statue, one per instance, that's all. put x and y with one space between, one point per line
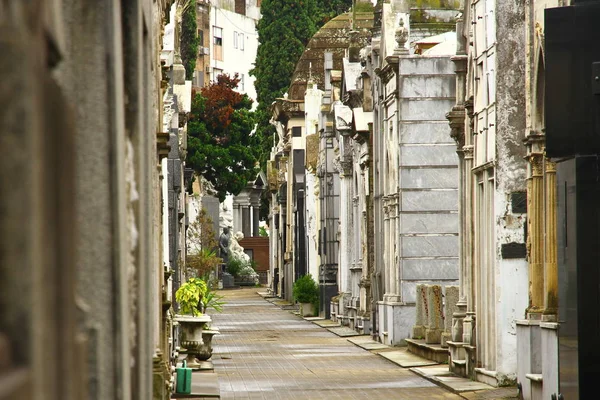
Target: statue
224 240
236 251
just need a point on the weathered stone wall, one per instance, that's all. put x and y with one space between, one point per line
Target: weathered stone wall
83 287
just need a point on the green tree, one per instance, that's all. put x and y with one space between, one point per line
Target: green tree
284 30
329 9
221 146
189 39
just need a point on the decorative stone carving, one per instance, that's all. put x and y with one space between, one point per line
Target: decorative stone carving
450 307
433 332
401 36
422 318
456 119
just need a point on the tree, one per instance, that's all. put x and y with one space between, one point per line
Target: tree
189 39
284 30
329 9
221 146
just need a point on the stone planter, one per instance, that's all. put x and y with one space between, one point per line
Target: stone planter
206 350
307 310
192 337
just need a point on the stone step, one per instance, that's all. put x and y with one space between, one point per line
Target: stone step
433 352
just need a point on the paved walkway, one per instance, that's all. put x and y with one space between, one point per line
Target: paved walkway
265 352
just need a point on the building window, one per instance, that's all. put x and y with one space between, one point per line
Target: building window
241 82
218 43
235 40
241 41
218 36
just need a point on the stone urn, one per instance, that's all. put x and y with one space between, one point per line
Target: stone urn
192 337
206 350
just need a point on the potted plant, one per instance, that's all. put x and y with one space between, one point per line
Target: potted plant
191 320
306 292
210 299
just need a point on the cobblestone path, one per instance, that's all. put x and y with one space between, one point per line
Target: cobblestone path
264 352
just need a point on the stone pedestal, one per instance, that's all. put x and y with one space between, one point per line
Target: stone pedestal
450 307
528 353
433 332
227 280
418 331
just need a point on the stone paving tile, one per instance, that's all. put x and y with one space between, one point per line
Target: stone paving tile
264 352
343 331
367 343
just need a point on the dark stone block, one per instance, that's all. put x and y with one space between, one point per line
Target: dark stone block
228 280
514 250
519 202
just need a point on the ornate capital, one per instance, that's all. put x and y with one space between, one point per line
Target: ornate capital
468 152
346 168
550 166
537 164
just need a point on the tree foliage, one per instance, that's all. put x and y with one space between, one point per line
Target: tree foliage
221 146
189 40
328 9
283 33
284 30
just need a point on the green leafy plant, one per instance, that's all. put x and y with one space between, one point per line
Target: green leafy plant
189 295
234 266
263 232
212 300
305 290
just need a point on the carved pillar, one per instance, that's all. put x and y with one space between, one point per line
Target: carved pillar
456 118
551 269
255 220
468 274
386 234
535 196
237 215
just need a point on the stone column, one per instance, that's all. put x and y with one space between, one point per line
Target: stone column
246 226
395 268
385 250
237 215
468 275
551 270
535 198
456 118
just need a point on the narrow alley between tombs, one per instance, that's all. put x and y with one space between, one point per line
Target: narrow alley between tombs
266 352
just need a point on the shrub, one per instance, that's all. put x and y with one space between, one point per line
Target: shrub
305 290
234 266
